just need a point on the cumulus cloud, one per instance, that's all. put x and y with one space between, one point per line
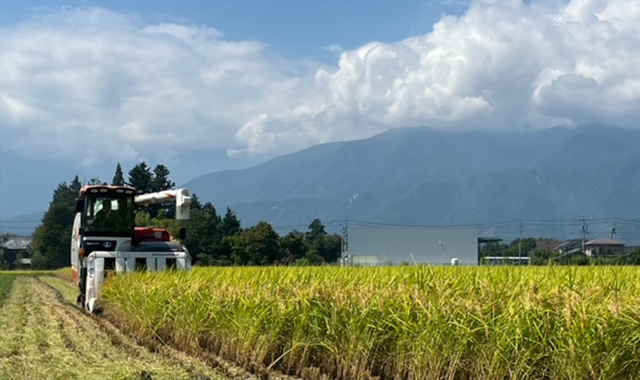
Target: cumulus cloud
126 88
107 86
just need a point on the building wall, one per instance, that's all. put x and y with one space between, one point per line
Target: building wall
381 246
603 250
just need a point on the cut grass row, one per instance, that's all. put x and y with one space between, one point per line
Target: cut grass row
401 323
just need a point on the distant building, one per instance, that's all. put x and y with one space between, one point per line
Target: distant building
506 260
604 247
570 247
548 245
16 252
423 245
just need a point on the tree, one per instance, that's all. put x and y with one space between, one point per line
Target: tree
257 245
292 247
66 193
4 263
95 181
316 231
203 236
329 247
143 219
118 177
141 178
195 202
311 258
513 249
74 189
50 244
321 245
161 179
230 223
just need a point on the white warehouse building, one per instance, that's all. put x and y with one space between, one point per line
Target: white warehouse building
423 245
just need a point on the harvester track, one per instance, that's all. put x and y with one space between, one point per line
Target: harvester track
43 336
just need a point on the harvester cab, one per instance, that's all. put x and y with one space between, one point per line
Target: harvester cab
105 240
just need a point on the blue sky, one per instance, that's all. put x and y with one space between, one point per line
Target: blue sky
207 86
295 29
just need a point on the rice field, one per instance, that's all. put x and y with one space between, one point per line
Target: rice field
395 323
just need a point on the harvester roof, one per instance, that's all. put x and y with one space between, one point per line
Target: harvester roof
94 189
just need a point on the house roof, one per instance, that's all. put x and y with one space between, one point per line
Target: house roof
16 244
570 243
604 241
548 244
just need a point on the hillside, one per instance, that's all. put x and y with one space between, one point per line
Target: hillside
22 224
421 176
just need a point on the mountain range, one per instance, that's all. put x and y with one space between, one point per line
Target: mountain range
417 176
420 176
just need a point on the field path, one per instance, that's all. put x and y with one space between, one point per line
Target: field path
44 337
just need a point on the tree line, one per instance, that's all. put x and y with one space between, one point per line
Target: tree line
212 238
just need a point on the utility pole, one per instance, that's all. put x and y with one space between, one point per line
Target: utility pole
345 243
613 229
585 230
520 244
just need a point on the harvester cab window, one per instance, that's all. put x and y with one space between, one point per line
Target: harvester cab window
107 214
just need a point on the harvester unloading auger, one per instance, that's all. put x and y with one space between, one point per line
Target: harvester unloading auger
105 239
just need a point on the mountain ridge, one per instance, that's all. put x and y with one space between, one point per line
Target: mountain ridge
418 175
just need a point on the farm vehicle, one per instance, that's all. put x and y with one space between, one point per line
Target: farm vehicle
104 239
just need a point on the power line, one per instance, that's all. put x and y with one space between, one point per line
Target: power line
19 221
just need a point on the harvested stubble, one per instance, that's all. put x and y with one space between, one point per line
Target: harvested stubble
7 278
397 323
44 337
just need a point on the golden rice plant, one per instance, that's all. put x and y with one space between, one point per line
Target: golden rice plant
396 322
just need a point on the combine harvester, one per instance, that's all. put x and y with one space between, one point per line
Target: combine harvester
104 237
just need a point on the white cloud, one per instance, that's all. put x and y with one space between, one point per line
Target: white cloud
334 48
101 85
90 77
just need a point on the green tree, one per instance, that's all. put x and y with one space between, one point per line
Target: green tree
143 219
512 249
67 193
329 247
4 263
50 244
118 177
315 233
95 181
141 178
257 245
292 247
203 236
161 179
74 190
230 224
195 202
321 244
312 257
